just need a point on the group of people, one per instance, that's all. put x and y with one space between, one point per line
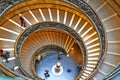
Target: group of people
46 72
4 54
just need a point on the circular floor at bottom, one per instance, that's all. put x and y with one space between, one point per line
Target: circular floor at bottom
50 60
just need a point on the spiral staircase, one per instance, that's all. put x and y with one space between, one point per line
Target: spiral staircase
95 32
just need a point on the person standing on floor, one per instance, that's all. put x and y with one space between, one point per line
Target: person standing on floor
60 55
79 67
46 73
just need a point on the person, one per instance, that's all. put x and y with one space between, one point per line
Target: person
6 55
23 22
60 55
79 67
1 52
46 73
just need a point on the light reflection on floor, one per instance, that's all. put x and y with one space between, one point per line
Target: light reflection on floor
50 60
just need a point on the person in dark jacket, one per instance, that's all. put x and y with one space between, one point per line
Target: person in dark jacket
46 73
23 22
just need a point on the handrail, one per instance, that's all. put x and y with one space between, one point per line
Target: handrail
9 72
30 76
7 4
113 73
116 7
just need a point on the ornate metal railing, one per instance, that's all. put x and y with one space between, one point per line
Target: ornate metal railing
11 73
7 4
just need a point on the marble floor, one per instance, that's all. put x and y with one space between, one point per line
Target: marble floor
50 60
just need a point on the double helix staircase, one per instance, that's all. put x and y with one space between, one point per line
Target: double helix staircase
72 18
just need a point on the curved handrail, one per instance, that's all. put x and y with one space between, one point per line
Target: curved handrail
28 75
5 5
9 72
113 73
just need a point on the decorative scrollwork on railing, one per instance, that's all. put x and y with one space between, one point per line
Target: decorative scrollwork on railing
6 4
